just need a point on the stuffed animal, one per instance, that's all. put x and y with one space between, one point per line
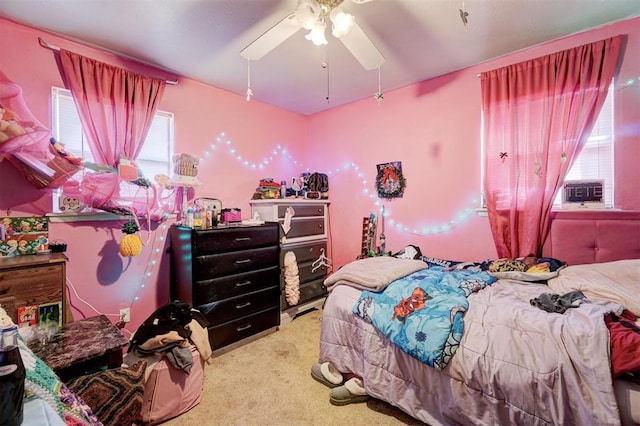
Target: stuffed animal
57 149
9 124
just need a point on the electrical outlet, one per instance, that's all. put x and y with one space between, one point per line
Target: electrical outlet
125 315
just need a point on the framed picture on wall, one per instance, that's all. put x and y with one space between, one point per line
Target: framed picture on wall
390 182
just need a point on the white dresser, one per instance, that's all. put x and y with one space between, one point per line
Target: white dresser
307 239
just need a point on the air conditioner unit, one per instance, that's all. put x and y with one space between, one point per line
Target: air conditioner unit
583 194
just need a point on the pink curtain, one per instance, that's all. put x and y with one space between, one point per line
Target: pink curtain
537 116
116 106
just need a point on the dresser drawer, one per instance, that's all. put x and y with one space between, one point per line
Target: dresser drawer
301 210
306 227
312 290
224 334
234 238
306 272
234 262
207 291
304 252
239 306
309 291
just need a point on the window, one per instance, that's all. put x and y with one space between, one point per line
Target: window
154 158
596 158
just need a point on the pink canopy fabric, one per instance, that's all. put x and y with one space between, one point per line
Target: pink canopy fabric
18 127
24 141
537 117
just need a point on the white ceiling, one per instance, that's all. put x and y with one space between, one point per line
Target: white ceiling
420 39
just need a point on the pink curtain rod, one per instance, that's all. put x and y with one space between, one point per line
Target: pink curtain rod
46 45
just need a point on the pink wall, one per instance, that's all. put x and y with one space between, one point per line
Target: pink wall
433 127
101 280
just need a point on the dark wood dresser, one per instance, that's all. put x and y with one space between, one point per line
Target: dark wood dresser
34 280
230 274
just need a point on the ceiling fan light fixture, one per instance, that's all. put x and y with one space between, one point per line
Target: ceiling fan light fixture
317 33
342 22
308 13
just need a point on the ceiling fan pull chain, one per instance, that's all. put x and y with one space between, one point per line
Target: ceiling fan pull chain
379 95
325 65
249 91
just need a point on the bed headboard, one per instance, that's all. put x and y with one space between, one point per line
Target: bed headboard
579 237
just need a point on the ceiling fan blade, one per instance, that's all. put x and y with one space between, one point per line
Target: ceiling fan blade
271 38
362 48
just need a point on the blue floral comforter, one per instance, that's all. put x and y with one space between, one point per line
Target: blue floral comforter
422 312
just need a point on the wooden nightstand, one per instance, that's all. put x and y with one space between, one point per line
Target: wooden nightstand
33 280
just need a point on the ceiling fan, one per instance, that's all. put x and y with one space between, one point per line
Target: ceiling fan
313 15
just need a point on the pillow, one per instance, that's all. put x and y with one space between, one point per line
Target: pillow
615 281
434 261
115 396
409 252
530 269
452 265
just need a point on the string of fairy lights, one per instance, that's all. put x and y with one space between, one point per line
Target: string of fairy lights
156 251
157 246
222 142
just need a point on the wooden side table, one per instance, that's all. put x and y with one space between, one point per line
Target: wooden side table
33 280
82 347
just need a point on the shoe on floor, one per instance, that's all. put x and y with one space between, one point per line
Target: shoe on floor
326 374
351 392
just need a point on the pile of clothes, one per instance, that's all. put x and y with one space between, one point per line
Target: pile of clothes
267 189
169 332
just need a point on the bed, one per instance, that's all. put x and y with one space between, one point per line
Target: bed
515 364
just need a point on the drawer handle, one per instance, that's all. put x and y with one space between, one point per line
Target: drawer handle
243 283
244 327
320 210
243 305
320 226
239 239
242 261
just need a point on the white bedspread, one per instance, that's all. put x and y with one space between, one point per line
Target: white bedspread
516 364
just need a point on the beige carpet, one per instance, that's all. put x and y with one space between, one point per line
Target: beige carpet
267 382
